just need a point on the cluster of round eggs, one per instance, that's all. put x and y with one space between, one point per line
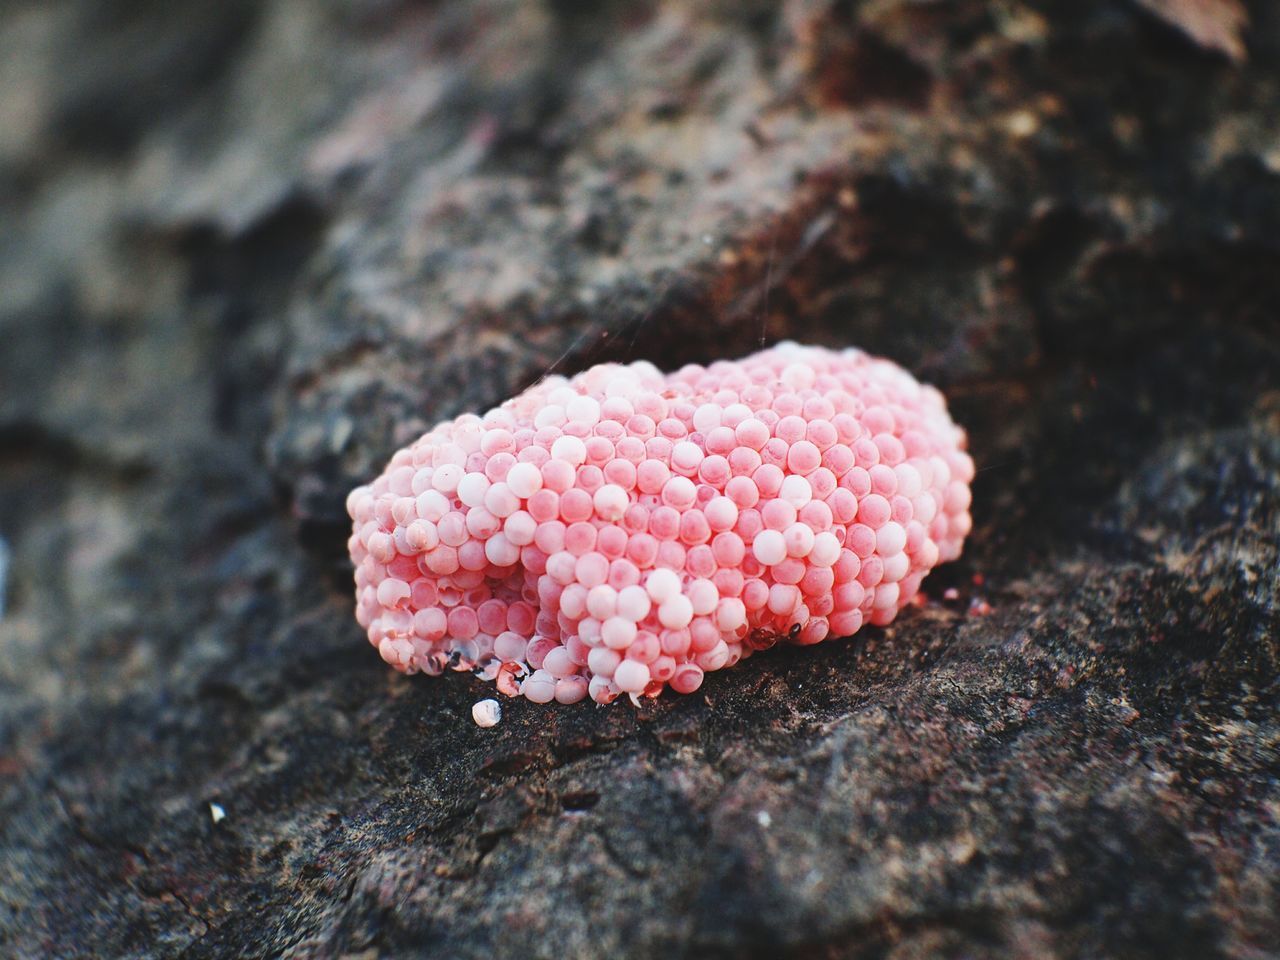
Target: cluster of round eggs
622 531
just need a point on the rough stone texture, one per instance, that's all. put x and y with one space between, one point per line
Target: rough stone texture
250 248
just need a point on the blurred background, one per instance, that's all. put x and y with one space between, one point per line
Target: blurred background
248 249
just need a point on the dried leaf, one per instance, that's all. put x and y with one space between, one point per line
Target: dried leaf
1212 24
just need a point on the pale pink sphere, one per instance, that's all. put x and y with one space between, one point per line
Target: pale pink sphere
622 531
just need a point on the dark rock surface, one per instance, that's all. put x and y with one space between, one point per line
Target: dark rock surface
250 248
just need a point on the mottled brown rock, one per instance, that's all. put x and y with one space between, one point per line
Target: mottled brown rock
250 249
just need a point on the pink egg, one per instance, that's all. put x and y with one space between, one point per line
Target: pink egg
622 531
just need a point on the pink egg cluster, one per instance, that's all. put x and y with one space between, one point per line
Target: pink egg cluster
622 531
